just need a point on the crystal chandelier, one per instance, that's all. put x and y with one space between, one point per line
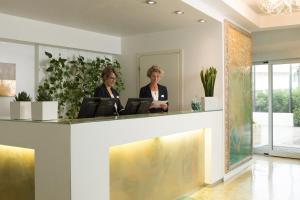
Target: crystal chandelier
274 7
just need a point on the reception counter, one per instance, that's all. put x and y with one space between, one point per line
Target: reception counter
153 156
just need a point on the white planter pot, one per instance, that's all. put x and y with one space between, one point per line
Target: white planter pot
20 110
44 110
209 103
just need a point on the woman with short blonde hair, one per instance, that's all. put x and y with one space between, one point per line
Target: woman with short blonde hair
154 90
155 68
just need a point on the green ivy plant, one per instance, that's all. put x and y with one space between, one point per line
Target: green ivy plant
22 96
69 81
208 78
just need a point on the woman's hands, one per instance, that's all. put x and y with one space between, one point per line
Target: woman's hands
164 106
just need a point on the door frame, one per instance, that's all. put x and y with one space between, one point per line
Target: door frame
270 149
178 51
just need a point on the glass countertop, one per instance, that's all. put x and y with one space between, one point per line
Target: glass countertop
110 118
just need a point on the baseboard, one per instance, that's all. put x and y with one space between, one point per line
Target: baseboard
237 171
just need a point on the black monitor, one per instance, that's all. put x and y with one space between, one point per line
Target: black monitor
88 107
137 106
106 107
145 103
131 107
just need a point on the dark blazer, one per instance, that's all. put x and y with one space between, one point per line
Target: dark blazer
145 92
103 93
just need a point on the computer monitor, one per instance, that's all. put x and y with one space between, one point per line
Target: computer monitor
106 107
145 103
136 106
88 107
131 107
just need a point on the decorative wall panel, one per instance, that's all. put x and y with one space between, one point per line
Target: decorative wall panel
7 79
238 96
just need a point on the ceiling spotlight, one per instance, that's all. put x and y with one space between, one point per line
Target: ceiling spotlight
202 20
151 2
179 12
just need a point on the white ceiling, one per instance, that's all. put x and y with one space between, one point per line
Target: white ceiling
254 6
247 14
131 17
114 17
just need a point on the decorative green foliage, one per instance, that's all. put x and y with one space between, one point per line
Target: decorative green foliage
22 96
43 95
208 78
296 116
69 81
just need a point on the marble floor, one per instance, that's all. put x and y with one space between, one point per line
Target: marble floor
269 178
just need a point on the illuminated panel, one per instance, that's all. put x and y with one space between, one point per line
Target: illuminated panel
160 168
7 88
16 173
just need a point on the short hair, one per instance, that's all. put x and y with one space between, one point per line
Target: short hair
107 71
155 68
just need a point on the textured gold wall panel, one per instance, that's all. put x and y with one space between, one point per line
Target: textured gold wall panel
238 96
16 173
157 169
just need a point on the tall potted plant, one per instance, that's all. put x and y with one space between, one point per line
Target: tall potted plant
20 108
208 78
44 108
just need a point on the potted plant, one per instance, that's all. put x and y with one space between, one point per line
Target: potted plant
208 78
20 108
44 108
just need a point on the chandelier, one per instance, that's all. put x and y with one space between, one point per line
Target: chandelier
274 7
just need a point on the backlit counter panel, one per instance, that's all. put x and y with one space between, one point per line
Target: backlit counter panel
16 173
160 168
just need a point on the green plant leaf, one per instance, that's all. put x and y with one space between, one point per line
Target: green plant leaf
48 54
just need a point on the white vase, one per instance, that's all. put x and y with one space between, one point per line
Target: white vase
209 103
44 110
20 110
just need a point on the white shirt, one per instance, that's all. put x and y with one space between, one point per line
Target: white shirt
116 106
154 95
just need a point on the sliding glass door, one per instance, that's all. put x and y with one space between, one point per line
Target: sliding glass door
286 100
276 114
261 106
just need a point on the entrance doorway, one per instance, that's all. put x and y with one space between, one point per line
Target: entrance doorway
276 109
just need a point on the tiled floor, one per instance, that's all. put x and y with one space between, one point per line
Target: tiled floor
269 178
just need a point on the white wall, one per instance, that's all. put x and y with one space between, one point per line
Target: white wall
276 44
23 56
22 29
202 46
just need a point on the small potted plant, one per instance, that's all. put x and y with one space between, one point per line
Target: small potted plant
20 108
44 108
208 78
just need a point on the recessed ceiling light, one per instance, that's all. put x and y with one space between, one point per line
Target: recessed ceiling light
202 20
151 2
179 12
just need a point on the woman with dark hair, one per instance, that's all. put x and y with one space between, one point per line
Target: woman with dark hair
106 90
154 90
